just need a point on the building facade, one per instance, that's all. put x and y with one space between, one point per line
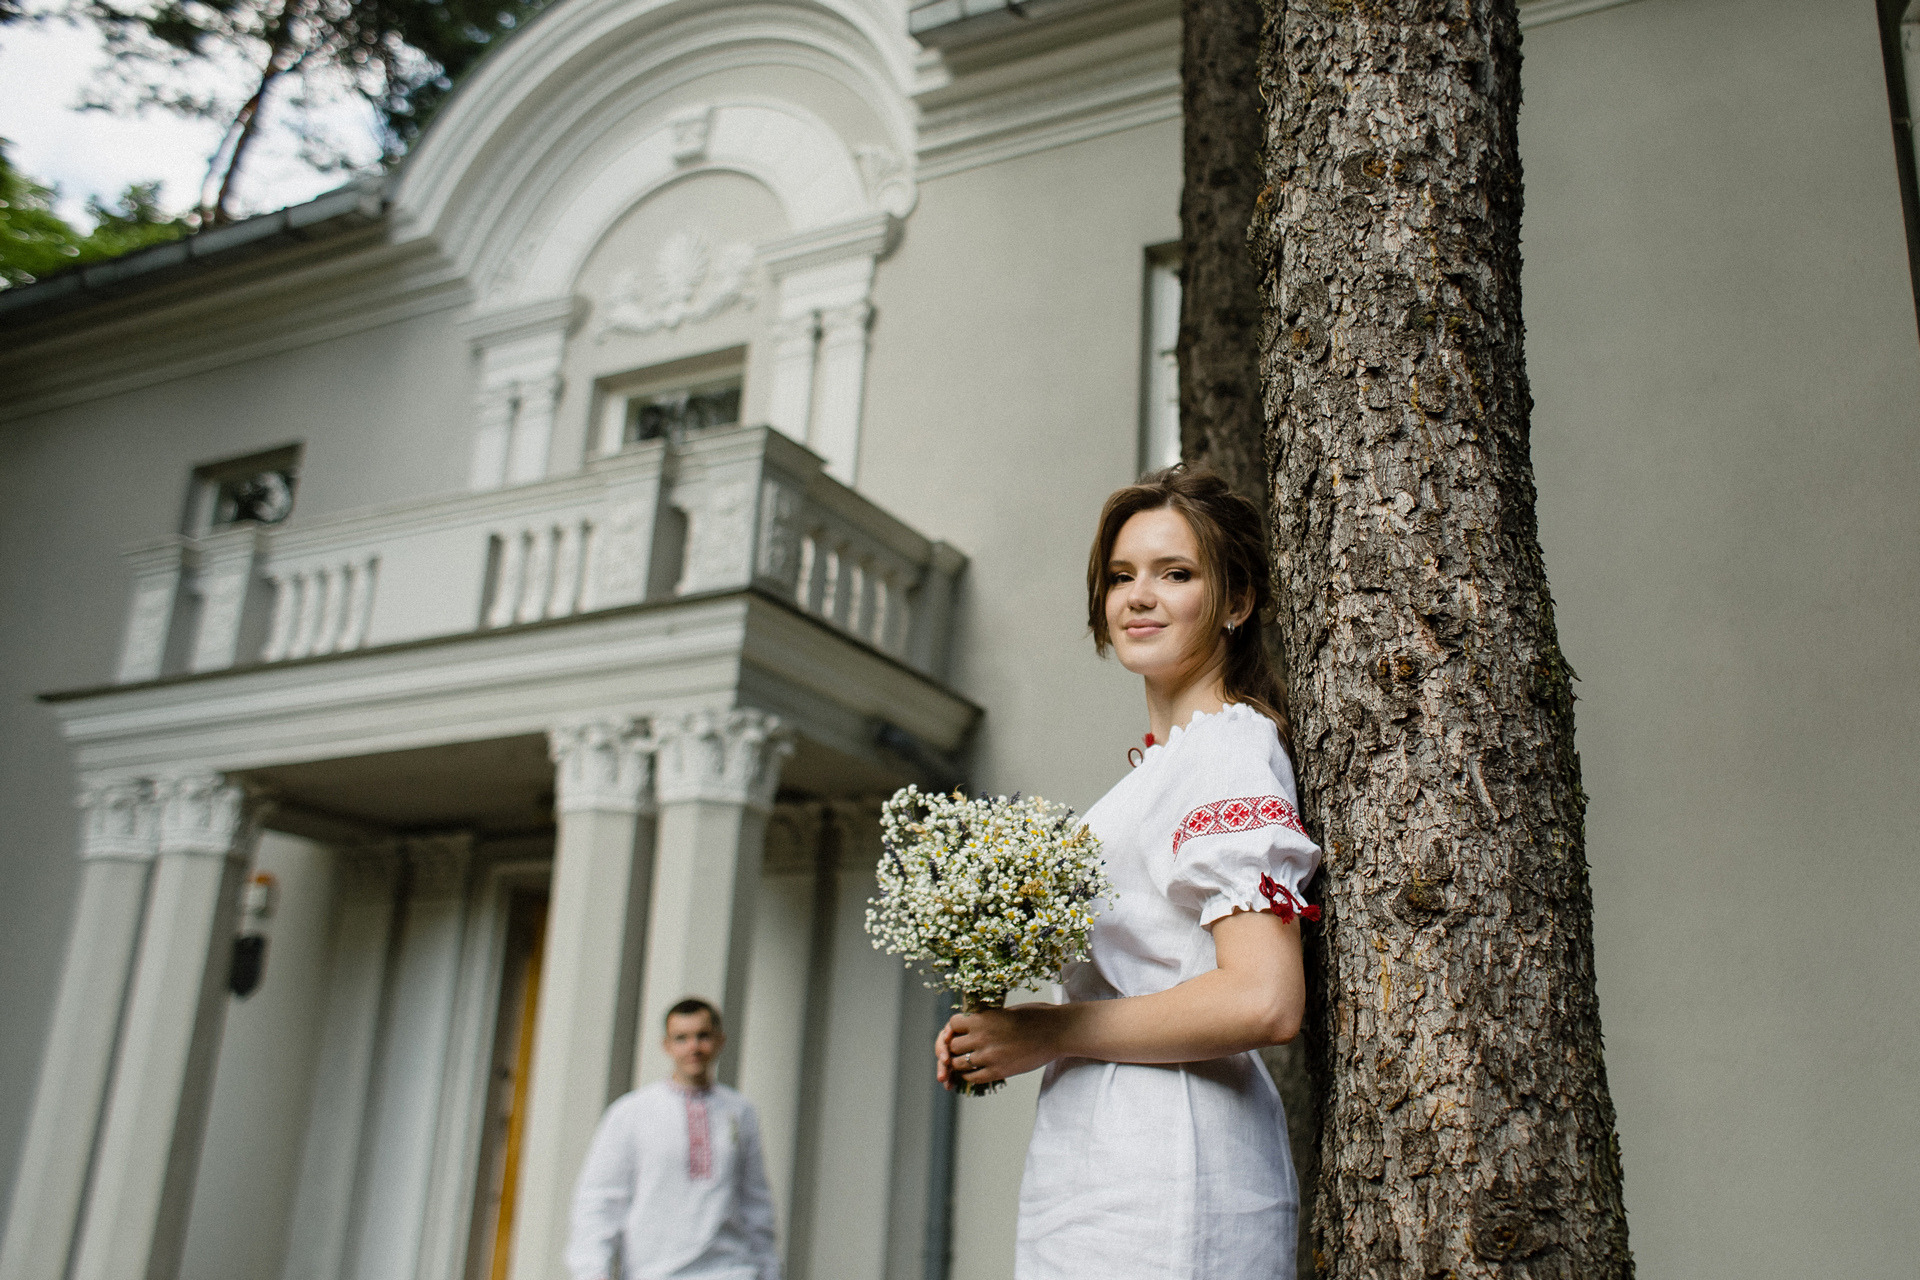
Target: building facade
476 609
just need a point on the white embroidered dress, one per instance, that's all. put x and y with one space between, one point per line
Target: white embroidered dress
1177 1172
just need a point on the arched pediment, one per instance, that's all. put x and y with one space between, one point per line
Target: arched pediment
598 103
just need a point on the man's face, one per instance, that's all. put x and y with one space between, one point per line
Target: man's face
693 1042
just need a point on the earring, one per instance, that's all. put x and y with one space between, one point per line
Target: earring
1231 626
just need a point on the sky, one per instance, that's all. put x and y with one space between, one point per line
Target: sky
43 69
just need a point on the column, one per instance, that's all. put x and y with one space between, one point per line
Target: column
772 1060
415 1026
116 848
136 1216
157 569
366 882
226 582
835 433
791 405
492 428
589 976
715 777
533 429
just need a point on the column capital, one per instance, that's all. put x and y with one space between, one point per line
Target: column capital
201 813
732 757
602 765
439 865
119 818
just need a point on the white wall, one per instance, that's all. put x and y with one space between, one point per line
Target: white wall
1727 383
383 413
262 1086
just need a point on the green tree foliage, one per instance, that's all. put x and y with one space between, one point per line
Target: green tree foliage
35 241
402 57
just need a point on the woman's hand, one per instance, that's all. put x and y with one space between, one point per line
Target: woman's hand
995 1044
1254 998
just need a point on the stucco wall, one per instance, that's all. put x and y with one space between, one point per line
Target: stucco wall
383 413
1727 386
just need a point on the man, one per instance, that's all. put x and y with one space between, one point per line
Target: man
674 1185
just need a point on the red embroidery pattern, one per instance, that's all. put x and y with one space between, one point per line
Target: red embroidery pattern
699 1142
1243 814
1281 902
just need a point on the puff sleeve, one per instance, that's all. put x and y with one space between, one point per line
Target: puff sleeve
1237 840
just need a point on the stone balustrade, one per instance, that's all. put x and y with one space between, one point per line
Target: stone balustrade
727 510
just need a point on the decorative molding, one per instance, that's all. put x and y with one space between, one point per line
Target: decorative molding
780 534
157 569
202 814
691 128
439 865
250 313
369 867
793 839
646 660
602 765
1539 13
585 69
872 235
119 819
528 320
889 185
720 531
857 828
690 282
728 757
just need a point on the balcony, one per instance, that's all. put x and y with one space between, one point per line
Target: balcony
722 512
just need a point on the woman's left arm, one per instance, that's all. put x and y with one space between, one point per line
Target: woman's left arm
1254 998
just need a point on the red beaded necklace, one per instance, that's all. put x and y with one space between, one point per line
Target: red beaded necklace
1135 755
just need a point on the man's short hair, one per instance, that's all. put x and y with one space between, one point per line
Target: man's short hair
693 1004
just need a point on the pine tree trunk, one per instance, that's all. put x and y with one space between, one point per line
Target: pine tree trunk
1467 1128
1218 350
1221 423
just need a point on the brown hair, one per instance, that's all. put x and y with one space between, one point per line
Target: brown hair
692 1005
1234 560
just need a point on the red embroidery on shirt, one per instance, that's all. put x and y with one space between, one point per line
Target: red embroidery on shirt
1244 814
1281 902
699 1142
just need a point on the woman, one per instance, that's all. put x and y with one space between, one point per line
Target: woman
1160 1146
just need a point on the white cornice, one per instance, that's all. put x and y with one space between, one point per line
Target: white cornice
872 236
252 312
1090 73
1538 13
524 321
649 662
984 111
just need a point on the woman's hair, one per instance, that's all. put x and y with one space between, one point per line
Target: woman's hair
1233 559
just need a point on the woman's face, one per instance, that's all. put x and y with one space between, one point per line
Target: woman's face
1157 597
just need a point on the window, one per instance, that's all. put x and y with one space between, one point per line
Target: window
1159 366
668 401
258 488
671 414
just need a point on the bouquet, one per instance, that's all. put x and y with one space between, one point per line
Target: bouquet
986 894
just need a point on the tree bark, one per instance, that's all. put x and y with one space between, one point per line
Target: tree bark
1467 1127
1218 350
1222 426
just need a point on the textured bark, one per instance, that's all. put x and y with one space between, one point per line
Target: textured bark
1467 1126
1221 422
1218 351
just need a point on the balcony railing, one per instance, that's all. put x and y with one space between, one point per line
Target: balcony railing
724 510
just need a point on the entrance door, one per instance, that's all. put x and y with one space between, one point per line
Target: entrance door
507 1091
